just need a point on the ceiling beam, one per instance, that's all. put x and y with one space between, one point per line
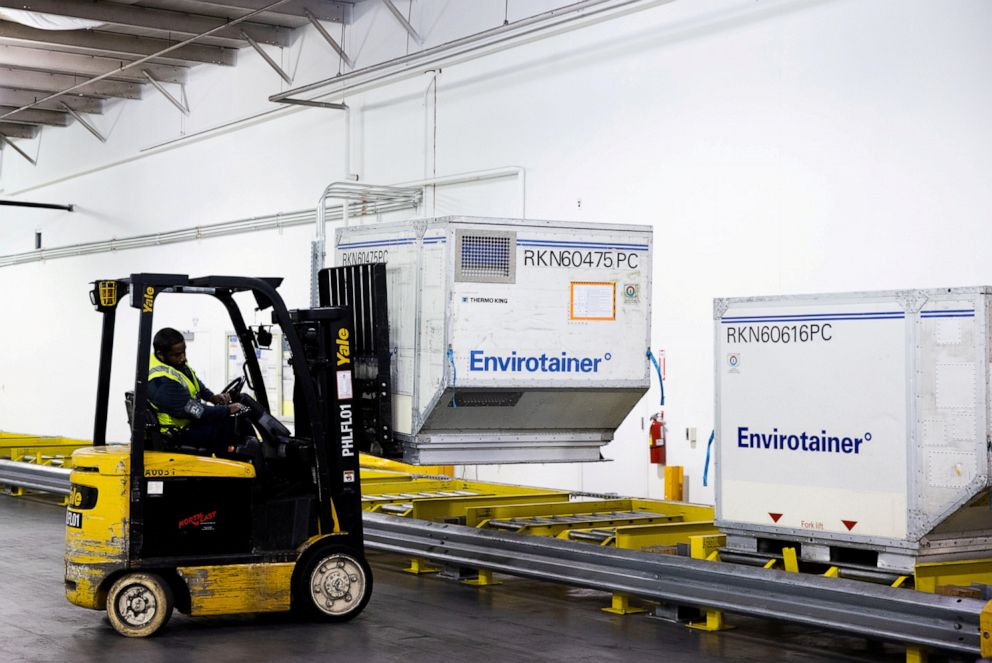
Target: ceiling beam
85 65
18 98
126 45
40 81
325 10
116 13
11 130
32 160
32 116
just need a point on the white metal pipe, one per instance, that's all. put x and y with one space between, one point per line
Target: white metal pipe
347 160
478 176
376 196
241 226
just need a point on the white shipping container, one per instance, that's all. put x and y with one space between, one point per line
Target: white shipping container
513 340
855 421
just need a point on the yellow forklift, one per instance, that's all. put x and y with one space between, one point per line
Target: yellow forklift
274 524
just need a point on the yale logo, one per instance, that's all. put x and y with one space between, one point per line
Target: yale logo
344 347
149 300
76 498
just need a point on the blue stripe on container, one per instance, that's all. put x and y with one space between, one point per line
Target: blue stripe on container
383 242
815 316
390 242
747 322
581 245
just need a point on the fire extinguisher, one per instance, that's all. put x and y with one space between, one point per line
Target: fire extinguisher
656 435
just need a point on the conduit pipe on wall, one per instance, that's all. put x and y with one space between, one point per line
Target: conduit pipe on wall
241 226
269 222
479 176
366 198
549 23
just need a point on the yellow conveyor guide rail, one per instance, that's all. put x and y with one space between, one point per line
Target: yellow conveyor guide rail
433 494
637 524
41 450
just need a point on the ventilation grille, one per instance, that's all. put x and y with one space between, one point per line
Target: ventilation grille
486 257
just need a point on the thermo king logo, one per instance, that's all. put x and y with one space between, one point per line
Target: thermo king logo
543 363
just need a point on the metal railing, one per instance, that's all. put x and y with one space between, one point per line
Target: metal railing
35 477
875 611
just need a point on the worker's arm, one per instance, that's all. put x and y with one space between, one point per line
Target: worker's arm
208 395
170 397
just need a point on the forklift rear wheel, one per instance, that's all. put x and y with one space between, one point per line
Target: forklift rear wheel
338 584
139 604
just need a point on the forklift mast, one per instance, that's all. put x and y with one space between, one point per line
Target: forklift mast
320 341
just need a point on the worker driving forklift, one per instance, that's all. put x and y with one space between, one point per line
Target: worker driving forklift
268 520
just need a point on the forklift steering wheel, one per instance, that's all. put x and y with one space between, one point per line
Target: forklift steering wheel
234 387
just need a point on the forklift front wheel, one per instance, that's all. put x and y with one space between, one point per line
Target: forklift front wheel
139 604
338 584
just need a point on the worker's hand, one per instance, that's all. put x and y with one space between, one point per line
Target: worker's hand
237 409
221 399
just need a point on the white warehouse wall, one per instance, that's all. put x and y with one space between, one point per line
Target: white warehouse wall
775 146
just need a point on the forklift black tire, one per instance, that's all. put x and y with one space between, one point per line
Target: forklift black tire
335 585
139 604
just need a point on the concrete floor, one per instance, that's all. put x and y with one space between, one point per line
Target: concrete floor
409 619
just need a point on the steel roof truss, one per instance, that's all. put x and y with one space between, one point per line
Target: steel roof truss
128 66
115 13
398 15
7 141
315 22
183 105
40 81
84 65
108 43
16 97
268 59
34 116
86 125
325 10
12 130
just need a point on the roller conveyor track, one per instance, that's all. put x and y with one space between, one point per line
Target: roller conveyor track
418 495
595 536
517 524
400 509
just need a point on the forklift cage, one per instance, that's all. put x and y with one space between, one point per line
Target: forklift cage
315 383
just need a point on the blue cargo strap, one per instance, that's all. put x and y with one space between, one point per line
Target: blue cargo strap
661 383
454 375
706 467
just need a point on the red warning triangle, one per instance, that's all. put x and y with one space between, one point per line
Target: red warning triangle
849 524
775 516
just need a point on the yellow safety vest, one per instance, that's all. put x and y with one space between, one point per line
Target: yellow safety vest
158 369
